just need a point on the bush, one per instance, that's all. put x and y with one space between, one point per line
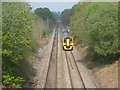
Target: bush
45 33
16 41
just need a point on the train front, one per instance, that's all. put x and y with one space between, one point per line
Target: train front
67 41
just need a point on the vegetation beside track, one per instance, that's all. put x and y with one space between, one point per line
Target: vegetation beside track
65 16
48 18
95 25
46 15
18 42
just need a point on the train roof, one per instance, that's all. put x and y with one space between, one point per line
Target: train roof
66 34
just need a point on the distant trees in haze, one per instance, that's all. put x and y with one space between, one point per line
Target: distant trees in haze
57 14
46 15
65 16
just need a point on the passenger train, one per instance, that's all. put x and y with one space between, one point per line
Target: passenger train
67 43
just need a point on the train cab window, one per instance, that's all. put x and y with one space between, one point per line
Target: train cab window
70 40
64 40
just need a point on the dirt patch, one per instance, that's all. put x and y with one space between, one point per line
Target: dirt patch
107 77
43 41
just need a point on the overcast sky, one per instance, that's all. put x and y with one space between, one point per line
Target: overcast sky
53 6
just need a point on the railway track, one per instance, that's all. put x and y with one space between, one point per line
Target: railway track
74 73
51 79
71 73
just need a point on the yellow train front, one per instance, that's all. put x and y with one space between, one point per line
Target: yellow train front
67 43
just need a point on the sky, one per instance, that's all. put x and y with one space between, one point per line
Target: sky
53 6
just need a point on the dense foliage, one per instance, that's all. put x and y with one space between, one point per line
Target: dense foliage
46 15
65 16
17 42
103 26
96 25
79 25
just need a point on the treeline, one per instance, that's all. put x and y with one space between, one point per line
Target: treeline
96 25
18 41
65 16
47 16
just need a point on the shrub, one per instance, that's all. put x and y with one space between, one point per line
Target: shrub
44 33
16 40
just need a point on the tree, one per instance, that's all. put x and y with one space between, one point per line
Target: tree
65 16
96 25
46 14
78 24
103 27
16 41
